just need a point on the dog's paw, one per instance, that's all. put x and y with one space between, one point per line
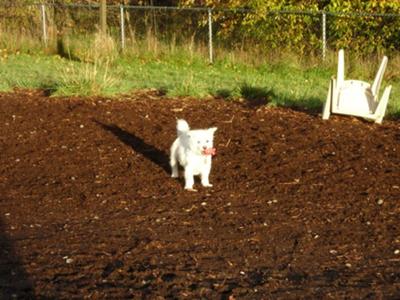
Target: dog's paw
207 184
190 189
174 175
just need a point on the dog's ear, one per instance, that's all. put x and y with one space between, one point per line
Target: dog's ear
213 129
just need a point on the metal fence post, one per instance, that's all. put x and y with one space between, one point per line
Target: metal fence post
121 10
210 37
323 35
103 17
44 25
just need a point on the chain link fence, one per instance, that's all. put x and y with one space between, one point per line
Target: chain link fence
211 29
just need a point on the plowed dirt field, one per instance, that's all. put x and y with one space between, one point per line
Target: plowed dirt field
300 208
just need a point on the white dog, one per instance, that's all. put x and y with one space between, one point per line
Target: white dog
193 150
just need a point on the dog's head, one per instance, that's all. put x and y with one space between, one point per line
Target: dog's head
200 141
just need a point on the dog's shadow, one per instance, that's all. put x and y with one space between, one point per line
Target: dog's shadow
155 155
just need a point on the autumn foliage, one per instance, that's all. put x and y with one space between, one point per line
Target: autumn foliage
365 26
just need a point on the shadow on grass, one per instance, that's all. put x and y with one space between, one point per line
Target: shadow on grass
223 93
64 51
49 88
14 281
311 105
255 96
393 116
150 152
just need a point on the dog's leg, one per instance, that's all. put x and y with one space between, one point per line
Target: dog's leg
204 178
174 166
173 161
205 173
189 179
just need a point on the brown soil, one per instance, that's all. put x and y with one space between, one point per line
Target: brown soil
300 208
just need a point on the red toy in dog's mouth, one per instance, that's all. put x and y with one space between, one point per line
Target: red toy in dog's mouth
209 151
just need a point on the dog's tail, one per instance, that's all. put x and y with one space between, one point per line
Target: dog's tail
182 126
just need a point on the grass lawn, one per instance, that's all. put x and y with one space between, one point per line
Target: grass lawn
283 83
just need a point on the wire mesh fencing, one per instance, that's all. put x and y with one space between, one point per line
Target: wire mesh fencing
212 30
